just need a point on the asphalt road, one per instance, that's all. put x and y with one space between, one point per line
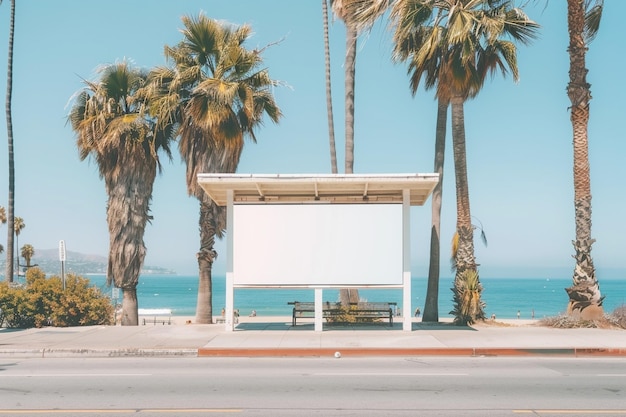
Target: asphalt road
382 386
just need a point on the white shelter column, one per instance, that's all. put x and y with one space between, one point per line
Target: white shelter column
319 316
407 314
230 290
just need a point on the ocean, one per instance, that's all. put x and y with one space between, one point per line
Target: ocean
545 297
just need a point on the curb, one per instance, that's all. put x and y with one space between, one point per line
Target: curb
353 352
309 352
97 353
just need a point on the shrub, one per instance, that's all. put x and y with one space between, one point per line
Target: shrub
17 311
617 319
566 322
468 306
43 302
619 316
82 305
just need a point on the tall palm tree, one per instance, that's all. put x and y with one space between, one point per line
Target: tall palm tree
476 33
18 226
583 21
112 126
329 96
27 251
9 117
217 94
454 44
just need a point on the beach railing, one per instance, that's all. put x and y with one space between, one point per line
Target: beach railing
155 315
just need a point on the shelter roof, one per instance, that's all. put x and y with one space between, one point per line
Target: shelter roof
325 188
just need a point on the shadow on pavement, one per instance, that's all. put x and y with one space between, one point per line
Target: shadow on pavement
440 326
10 330
382 326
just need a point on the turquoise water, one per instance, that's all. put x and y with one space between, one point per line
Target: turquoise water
504 297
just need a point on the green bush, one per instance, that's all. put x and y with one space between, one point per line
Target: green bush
468 306
16 309
43 302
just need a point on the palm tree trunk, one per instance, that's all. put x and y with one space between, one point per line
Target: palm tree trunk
350 73
329 96
11 205
585 299
129 307
431 306
465 253
465 261
130 192
206 257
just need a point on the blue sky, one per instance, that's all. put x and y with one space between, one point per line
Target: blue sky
518 135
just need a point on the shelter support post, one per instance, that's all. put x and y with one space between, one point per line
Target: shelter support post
229 321
407 315
319 319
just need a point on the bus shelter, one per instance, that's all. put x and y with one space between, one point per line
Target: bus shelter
318 232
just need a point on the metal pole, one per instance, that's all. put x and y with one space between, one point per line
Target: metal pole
62 259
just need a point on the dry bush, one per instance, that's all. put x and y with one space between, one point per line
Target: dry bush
617 319
619 316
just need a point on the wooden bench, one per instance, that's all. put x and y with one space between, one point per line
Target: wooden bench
370 310
361 310
307 309
155 315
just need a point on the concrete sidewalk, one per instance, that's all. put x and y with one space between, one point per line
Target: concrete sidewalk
273 337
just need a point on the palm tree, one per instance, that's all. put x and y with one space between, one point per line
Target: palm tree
28 251
18 226
583 20
217 94
329 100
112 126
9 117
454 44
473 51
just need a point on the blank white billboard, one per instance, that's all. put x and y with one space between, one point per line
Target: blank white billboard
317 244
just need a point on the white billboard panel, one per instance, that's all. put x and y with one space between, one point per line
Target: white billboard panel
317 244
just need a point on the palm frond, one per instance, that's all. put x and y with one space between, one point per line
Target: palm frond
593 16
454 250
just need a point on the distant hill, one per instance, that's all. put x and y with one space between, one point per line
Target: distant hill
79 263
